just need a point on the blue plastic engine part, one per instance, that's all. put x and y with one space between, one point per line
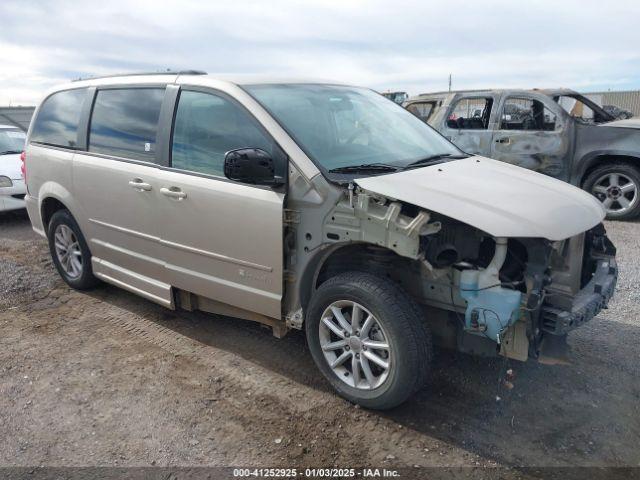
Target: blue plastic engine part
490 311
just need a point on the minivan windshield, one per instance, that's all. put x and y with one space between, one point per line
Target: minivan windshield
341 128
11 141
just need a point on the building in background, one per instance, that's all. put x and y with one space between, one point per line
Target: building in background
626 100
17 116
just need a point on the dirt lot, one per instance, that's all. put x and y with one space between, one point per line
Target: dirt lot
107 378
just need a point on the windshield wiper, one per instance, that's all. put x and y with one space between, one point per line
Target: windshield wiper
366 167
7 152
433 159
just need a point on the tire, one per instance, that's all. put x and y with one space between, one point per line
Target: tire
401 327
597 183
63 229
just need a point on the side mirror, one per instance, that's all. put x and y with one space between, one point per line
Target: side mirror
251 165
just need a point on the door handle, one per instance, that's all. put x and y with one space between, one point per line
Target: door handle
504 140
173 192
139 185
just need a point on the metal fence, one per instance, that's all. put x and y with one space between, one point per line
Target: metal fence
628 100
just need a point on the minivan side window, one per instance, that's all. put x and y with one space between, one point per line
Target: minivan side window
58 119
124 122
206 127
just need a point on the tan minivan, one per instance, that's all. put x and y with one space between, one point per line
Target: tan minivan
318 206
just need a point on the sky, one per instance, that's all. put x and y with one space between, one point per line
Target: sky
386 45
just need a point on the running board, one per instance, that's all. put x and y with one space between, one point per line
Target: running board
146 287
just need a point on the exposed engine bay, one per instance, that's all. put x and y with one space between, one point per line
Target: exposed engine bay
481 294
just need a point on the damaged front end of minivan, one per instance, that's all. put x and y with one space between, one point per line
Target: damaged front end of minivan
503 287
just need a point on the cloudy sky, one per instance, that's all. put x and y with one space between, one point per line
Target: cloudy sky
391 44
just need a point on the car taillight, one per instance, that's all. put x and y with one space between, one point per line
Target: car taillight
23 167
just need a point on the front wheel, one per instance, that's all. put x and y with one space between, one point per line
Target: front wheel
617 186
367 338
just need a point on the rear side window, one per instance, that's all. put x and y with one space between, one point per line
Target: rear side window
471 114
124 122
58 118
11 140
206 127
422 110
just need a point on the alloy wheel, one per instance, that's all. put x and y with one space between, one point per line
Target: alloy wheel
617 192
68 251
355 345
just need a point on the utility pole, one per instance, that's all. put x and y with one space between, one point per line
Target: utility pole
449 82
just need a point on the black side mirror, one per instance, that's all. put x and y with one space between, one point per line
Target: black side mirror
251 165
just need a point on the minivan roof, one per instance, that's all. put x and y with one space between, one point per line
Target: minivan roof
194 77
132 74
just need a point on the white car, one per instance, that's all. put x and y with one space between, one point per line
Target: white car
12 186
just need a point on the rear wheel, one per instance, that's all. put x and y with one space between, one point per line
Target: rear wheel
367 338
617 186
69 251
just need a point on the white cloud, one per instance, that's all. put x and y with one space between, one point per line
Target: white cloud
411 45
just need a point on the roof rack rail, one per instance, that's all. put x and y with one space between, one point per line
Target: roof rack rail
166 72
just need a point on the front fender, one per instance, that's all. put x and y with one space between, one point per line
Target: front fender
591 159
309 277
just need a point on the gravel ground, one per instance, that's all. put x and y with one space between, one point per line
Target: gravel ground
106 378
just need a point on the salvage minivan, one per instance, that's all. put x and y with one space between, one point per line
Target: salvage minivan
315 206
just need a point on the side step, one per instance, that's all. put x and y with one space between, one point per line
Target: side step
139 284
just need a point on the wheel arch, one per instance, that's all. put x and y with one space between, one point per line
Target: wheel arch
53 197
598 159
48 207
342 257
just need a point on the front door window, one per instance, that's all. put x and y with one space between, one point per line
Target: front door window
526 114
207 126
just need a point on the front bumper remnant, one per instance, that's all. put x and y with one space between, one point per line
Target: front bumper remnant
587 303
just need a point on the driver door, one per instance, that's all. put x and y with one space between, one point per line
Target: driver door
531 134
221 239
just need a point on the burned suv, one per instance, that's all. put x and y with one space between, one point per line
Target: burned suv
314 206
556 132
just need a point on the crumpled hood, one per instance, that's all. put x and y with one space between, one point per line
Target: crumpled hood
500 199
627 123
10 166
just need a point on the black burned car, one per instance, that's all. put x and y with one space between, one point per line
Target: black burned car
556 132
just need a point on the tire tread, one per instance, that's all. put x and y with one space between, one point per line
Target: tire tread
406 313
